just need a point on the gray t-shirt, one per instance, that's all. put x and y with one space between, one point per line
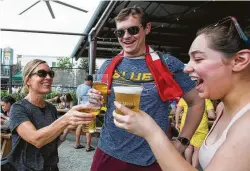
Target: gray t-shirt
118 142
82 90
29 156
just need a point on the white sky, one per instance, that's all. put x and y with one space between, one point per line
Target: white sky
38 18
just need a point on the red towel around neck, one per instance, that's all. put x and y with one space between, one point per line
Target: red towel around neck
167 87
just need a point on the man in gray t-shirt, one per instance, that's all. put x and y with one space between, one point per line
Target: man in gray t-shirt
117 148
81 91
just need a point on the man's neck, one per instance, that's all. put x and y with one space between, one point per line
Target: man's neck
142 52
87 83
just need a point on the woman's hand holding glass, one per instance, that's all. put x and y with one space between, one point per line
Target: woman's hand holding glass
139 123
75 116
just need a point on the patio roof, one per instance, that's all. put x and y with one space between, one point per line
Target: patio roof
174 24
44 28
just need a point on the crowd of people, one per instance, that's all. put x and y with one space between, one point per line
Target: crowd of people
218 69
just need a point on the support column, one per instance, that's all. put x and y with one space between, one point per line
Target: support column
92 52
10 78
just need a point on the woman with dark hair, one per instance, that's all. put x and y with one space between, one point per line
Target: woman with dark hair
220 65
6 103
63 102
36 131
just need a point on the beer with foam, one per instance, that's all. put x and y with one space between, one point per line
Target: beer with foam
128 96
93 109
103 88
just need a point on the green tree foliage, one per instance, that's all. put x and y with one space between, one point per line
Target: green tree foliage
84 64
18 96
64 62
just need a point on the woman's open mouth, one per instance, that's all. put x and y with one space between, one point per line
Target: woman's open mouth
198 82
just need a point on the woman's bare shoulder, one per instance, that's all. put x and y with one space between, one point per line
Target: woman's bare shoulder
241 127
237 144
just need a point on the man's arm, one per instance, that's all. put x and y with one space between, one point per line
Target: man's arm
196 107
63 110
54 99
194 102
211 114
4 117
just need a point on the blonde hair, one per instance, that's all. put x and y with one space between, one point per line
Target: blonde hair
27 71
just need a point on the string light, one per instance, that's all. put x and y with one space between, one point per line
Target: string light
178 18
162 25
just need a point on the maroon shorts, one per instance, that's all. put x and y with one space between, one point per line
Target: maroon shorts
104 162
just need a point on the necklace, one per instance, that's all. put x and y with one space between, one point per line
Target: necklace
143 54
146 53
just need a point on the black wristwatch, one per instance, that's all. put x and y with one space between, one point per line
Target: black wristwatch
183 140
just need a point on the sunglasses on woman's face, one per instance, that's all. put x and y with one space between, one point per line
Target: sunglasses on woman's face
119 33
43 73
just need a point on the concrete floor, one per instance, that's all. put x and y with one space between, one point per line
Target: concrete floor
71 159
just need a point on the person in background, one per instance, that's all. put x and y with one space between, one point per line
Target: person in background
36 130
171 130
63 103
173 106
139 64
220 64
192 152
82 90
6 104
216 103
219 109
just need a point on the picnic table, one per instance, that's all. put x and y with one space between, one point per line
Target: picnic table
6 144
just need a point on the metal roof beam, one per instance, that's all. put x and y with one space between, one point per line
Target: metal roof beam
44 32
182 3
116 45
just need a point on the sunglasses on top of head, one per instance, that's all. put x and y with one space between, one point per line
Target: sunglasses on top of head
240 32
133 30
43 73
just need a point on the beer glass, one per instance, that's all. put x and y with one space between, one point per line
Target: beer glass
100 83
128 96
94 109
